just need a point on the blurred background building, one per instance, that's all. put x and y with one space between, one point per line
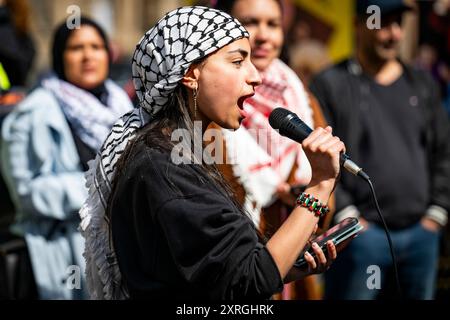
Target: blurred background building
326 22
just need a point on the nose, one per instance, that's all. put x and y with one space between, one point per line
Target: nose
88 53
261 33
253 79
396 31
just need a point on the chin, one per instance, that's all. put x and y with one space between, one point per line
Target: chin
387 54
236 126
232 127
228 125
89 85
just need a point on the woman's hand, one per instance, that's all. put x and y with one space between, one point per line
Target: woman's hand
319 264
323 151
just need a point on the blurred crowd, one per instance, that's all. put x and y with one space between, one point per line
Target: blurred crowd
389 100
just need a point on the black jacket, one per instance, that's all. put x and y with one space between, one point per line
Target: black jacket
340 92
178 236
16 50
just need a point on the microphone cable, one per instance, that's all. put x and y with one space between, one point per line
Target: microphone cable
366 178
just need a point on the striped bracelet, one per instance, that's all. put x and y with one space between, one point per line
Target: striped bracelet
313 204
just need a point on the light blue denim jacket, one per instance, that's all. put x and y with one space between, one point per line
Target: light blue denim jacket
42 169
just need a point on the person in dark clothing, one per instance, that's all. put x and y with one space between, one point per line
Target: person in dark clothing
16 57
160 220
17 50
395 127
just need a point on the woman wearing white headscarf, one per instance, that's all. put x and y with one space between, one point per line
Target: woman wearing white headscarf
160 220
47 141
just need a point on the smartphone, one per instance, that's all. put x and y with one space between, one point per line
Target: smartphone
346 229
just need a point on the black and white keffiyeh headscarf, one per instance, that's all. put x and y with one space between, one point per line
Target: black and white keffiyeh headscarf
161 59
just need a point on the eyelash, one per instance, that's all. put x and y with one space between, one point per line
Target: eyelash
238 62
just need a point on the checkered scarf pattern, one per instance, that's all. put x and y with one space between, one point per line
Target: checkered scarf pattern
279 88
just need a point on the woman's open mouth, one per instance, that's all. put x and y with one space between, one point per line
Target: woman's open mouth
242 99
241 104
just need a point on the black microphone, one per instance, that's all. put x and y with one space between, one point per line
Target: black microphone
290 125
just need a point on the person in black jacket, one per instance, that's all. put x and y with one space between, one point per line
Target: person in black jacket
393 123
160 221
17 50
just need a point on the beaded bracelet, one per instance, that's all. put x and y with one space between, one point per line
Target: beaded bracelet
312 204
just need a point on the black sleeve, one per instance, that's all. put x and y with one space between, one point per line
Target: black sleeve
440 150
213 245
321 87
16 52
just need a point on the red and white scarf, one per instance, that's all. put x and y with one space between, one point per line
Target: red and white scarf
261 158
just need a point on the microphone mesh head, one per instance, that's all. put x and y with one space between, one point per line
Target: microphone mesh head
277 117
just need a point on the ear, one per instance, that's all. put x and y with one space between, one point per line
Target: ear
190 79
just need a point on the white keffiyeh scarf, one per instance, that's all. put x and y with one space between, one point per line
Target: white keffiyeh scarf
90 119
161 59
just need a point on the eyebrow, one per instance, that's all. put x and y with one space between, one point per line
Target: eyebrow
243 52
